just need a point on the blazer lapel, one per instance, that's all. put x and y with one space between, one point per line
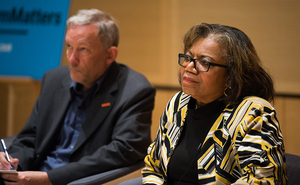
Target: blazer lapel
211 153
61 102
99 110
101 105
174 128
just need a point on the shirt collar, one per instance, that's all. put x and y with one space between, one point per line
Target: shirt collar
76 87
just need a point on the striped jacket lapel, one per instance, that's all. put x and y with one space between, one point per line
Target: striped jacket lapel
215 142
176 115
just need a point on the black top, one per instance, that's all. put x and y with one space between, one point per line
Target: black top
183 166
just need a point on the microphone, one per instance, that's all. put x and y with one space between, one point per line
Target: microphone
199 147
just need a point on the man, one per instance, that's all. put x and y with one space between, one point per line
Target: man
90 117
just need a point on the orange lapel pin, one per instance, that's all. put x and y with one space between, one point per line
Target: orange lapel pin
105 104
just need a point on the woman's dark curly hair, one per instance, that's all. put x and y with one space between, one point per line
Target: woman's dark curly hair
246 76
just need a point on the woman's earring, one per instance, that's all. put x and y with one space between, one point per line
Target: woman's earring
226 88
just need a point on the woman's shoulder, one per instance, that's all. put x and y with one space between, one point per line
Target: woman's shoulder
253 105
257 101
247 111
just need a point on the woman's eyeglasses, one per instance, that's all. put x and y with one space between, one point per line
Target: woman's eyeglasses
201 65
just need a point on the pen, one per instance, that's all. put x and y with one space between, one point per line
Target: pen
5 151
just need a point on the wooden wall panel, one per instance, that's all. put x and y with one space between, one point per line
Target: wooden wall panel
25 96
3 110
151 33
288 116
18 96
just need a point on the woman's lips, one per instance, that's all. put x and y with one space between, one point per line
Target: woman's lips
188 80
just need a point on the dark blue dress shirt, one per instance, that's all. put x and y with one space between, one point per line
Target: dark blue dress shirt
75 117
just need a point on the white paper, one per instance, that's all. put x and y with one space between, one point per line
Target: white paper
8 171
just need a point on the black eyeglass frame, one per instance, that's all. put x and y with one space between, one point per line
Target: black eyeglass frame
180 55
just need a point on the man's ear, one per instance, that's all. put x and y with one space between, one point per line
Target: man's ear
112 53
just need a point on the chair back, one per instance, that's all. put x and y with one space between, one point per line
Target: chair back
293 168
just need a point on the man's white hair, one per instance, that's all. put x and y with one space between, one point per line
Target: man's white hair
108 29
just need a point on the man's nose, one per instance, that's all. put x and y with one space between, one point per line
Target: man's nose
73 57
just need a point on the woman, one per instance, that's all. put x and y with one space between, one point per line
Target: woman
220 129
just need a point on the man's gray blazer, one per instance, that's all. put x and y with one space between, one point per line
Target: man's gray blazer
116 131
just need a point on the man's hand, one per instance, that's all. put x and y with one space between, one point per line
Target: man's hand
27 178
5 165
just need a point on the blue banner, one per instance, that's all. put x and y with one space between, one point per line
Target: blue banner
31 36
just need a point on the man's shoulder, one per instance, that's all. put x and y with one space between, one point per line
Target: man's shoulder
61 70
132 83
57 76
132 75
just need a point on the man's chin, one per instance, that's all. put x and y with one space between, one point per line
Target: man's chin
76 78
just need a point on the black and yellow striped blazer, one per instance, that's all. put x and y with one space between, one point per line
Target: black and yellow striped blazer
244 145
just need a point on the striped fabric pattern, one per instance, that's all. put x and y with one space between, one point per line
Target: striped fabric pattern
244 145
